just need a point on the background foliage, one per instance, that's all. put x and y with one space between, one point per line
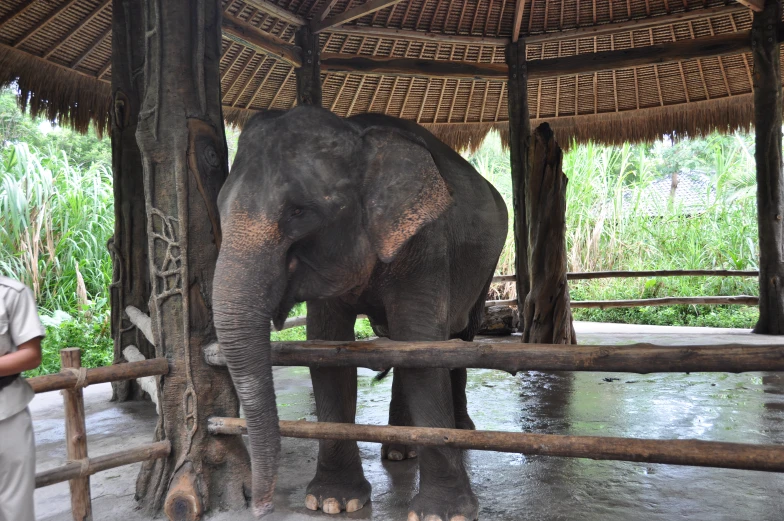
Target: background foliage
56 215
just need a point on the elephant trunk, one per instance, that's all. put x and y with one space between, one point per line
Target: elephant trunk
246 293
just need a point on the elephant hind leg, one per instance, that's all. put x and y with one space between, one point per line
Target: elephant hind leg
399 415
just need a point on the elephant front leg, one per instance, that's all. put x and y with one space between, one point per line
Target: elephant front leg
444 488
459 379
340 482
399 416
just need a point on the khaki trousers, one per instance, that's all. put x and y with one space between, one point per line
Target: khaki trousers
17 468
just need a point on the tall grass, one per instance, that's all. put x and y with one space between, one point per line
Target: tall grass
54 223
603 233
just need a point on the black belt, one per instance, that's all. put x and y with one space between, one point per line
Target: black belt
5 381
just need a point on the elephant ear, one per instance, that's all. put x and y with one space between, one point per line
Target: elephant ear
402 191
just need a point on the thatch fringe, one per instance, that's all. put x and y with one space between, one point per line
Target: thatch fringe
237 117
56 93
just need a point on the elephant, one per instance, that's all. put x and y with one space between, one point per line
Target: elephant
363 215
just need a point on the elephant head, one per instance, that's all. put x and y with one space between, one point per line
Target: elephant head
312 204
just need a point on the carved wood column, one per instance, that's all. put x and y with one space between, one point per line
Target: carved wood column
519 133
547 315
128 246
183 150
309 75
770 188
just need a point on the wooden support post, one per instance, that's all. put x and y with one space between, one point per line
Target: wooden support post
128 247
183 151
546 317
309 74
770 185
519 133
76 437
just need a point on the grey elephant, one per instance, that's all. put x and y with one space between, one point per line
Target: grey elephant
367 215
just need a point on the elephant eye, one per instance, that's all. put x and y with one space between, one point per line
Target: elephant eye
295 212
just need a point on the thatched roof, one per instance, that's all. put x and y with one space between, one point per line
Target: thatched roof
59 52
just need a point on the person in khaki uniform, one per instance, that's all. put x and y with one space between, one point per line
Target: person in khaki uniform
20 350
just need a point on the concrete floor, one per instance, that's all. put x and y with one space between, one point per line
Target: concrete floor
721 407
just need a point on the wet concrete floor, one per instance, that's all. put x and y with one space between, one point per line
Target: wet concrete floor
745 408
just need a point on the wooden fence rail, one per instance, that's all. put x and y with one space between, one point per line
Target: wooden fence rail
645 273
72 379
513 357
740 300
673 452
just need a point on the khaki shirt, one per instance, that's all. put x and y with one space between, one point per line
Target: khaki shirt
19 323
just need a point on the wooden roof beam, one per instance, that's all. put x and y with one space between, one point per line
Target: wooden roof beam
277 11
352 14
254 38
24 6
40 25
86 20
725 44
324 11
518 19
754 5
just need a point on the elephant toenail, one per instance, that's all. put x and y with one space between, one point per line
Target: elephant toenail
331 506
433 517
458 518
353 505
412 454
395 455
311 503
412 516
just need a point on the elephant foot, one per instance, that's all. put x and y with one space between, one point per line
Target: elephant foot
450 505
398 452
335 492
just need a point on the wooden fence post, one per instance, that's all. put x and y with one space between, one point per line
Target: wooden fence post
76 435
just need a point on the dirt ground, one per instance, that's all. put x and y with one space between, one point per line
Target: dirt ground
746 408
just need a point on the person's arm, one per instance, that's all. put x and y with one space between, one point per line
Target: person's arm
26 333
28 357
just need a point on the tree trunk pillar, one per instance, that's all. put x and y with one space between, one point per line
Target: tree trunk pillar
770 188
128 246
183 150
309 75
519 133
547 316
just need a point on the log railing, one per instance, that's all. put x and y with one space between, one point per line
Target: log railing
71 380
740 300
514 357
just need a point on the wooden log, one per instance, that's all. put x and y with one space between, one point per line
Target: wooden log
519 134
392 66
73 470
498 320
112 373
147 384
643 273
746 456
546 317
76 437
183 502
309 73
513 357
254 38
265 6
142 322
768 158
741 300
352 14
